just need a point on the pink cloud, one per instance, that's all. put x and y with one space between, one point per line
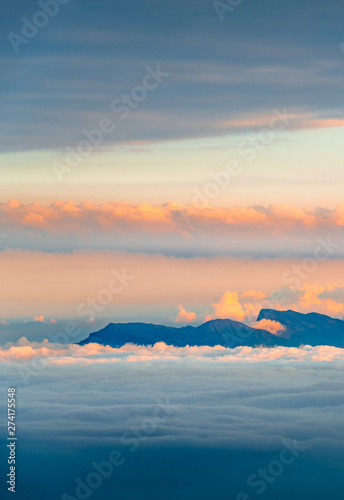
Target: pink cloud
67 217
39 318
25 351
271 326
228 307
184 316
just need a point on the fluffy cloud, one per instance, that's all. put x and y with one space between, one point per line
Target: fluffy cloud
228 307
271 326
239 307
312 298
67 216
229 414
48 353
39 318
173 229
184 316
306 298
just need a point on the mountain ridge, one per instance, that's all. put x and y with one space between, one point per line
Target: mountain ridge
300 329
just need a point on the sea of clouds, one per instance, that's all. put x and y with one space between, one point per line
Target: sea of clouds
189 423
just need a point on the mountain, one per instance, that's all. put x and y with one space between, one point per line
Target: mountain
225 332
313 329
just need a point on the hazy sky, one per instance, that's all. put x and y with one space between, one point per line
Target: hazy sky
225 81
167 130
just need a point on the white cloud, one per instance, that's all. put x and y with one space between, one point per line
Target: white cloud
90 354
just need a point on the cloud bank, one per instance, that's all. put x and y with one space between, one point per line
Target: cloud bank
173 229
55 354
227 420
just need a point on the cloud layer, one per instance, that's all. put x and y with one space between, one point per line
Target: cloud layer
36 356
172 228
227 418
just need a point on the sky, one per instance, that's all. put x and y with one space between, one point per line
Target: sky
197 147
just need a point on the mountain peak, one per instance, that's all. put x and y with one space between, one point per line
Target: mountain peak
300 329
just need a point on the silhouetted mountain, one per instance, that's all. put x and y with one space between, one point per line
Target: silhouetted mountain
223 332
312 329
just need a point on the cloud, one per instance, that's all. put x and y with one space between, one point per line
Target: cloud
67 216
245 306
39 318
312 298
318 123
271 326
228 307
253 295
185 316
239 307
229 409
71 354
173 229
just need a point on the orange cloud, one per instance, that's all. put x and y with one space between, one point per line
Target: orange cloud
310 297
60 217
253 295
184 316
298 121
310 300
271 326
46 353
332 308
39 318
319 123
228 307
